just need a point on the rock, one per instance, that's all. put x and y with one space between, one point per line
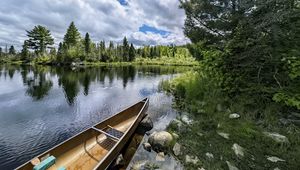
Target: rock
276 168
277 137
160 157
175 135
160 141
234 116
177 124
209 155
231 166
147 146
186 119
274 159
120 161
177 149
138 165
238 150
224 135
191 159
147 123
199 134
201 168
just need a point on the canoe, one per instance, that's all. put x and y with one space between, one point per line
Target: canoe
94 148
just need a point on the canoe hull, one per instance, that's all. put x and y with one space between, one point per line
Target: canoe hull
133 115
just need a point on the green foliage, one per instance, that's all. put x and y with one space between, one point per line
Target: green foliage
131 53
87 44
12 50
257 43
25 54
72 36
39 39
125 50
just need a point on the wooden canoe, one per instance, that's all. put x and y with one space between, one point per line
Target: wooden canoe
96 147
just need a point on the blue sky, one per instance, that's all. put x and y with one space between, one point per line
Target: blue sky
146 28
143 22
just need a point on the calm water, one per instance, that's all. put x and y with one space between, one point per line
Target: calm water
42 106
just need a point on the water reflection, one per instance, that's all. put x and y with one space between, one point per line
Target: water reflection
38 79
42 106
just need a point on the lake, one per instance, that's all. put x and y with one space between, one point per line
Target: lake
41 106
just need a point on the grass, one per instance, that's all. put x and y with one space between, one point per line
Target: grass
169 61
209 107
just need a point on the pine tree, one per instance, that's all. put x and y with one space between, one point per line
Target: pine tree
52 52
25 51
131 53
87 44
72 37
60 53
125 54
1 52
12 50
39 39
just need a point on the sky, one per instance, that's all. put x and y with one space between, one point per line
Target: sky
143 22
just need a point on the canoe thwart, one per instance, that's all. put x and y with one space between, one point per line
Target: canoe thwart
105 133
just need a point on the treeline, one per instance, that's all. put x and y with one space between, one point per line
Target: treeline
252 46
75 48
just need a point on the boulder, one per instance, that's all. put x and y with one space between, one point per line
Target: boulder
147 146
177 149
138 165
224 135
238 150
175 135
160 141
275 159
277 137
234 116
191 159
231 166
185 119
209 155
145 125
176 124
160 157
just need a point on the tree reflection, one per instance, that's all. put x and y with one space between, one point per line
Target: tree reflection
68 80
39 79
38 85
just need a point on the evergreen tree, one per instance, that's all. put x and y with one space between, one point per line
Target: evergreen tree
25 52
1 52
87 44
12 50
72 37
131 53
125 54
60 53
52 52
39 39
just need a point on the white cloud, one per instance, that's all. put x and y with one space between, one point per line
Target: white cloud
103 19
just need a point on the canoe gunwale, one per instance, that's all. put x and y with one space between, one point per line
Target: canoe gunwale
145 101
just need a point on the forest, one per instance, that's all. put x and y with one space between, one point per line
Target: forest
249 72
40 48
